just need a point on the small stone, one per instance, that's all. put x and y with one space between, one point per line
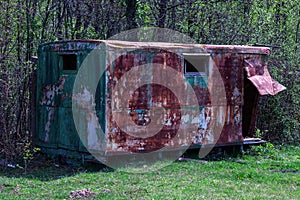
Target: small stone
293 187
106 191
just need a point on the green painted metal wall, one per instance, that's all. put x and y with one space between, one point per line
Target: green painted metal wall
55 124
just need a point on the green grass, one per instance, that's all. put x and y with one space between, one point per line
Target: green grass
248 177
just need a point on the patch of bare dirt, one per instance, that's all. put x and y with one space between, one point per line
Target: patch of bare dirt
82 194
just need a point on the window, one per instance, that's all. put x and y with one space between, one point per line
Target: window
196 64
69 62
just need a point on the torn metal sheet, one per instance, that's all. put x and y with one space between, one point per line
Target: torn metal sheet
259 75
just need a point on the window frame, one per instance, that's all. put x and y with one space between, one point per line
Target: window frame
208 59
61 62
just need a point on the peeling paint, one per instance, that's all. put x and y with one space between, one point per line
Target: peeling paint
50 91
48 95
50 111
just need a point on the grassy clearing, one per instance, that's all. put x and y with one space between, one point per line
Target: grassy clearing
272 174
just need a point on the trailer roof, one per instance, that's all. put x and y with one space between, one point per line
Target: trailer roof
118 44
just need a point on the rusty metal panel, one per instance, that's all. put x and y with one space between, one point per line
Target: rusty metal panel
55 123
258 74
231 69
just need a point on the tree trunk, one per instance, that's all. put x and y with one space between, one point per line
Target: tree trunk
162 11
131 8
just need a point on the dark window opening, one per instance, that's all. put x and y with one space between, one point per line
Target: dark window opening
69 62
196 63
189 67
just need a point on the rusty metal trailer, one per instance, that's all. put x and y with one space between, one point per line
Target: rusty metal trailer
242 72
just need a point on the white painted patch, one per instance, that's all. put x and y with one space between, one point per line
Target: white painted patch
168 123
185 118
237 115
165 102
196 120
50 111
220 116
92 129
205 118
228 114
209 137
236 92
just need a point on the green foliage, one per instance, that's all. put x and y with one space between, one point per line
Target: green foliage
267 151
28 154
258 133
142 14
